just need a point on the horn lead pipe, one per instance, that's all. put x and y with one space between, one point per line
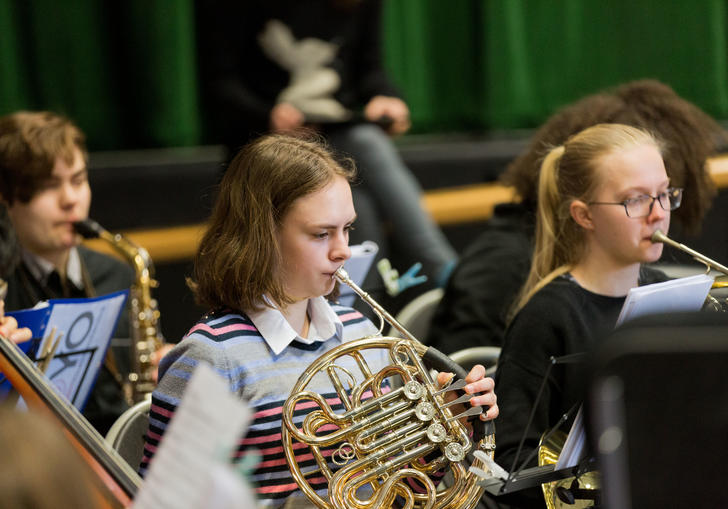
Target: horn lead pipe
658 236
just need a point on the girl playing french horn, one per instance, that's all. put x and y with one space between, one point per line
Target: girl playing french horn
601 197
278 232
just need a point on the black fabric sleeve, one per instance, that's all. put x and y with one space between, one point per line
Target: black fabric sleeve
480 292
530 343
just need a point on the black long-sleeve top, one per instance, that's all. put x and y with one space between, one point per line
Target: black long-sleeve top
485 283
560 319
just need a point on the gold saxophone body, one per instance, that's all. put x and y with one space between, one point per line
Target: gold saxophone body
396 427
146 336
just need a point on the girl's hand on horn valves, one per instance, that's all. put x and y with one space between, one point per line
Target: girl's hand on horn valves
477 383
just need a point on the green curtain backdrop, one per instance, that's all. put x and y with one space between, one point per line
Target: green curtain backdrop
503 64
126 72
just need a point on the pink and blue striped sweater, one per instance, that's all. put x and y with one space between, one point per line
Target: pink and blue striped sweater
231 344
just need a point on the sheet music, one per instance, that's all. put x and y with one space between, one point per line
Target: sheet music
682 294
87 326
573 450
362 256
191 469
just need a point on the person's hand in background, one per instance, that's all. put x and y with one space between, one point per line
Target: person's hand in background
394 109
285 117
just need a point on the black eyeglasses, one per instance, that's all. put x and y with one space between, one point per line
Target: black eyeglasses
641 206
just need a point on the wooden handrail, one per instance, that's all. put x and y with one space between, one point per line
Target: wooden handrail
447 206
718 166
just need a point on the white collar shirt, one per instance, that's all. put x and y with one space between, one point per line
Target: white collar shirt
278 333
41 268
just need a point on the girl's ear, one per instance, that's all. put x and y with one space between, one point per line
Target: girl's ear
581 214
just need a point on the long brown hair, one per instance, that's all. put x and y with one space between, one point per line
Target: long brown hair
238 259
569 173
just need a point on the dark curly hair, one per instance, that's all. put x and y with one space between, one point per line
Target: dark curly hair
689 134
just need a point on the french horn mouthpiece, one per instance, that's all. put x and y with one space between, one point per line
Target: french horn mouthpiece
658 236
711 264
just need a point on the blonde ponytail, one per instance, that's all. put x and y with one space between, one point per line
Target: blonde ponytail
569 173
546 229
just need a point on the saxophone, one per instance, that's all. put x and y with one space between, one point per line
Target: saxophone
146 336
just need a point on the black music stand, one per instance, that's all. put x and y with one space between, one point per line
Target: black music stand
526 478
658 412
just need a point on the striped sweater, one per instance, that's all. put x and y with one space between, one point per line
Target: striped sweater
232 345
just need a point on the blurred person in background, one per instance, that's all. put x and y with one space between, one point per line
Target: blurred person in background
287 65
39 469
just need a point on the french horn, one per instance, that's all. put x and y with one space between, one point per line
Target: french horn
659 236
710 264
571 492
395 430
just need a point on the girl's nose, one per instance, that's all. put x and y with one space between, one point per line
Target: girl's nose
340 250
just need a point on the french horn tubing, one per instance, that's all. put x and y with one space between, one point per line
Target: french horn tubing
658 236
392 431
711 302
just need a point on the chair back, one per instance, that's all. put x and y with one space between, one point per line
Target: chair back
651 373
485 355
417 314
126 435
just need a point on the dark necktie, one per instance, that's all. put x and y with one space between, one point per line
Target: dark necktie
56 287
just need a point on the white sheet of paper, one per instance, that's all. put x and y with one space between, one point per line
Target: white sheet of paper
87 326
196 446
573 450
675 295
